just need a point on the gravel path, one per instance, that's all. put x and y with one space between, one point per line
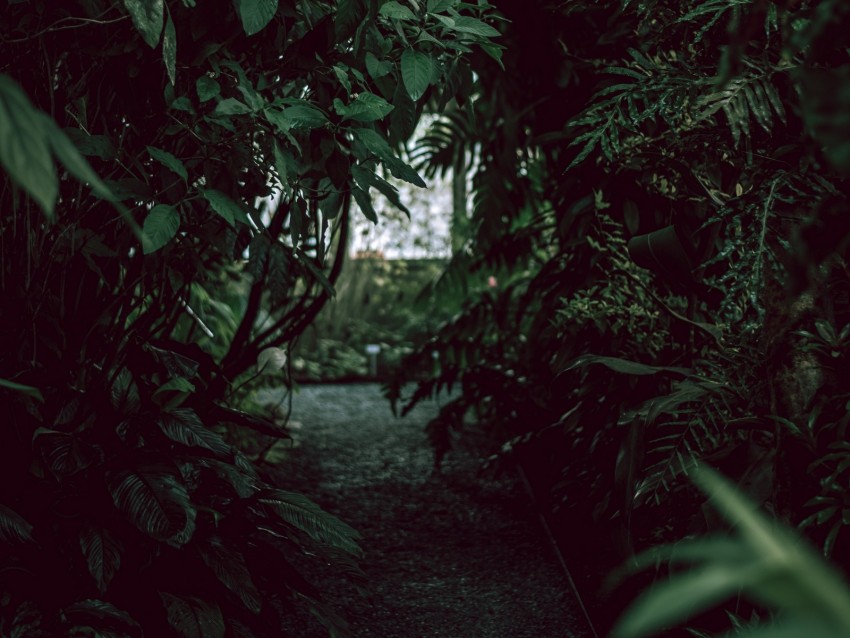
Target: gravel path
450 555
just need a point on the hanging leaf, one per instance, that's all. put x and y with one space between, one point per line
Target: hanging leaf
25 148
169 161
229 567
103 555
366 178
364 202
147 16
207 88
225 207
160 227
169 49
193 617
76 164
154 500
184 427
416 71
376 144
305 116
13 527
624 366
28 390
301 513
255 14
366 107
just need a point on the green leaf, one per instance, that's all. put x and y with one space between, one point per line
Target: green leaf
28 390
366 107
147 16
102 553
305 116
154 500
342 76
193 617
436 6
207 88
623 365
465 24
377 68
225 207
183 426
13 527
375 143
364 202
229 567
231 106
25 146
349 16
255 14
416 71
366 178
169 49
396 11
160 227
76 164
169 161
91 145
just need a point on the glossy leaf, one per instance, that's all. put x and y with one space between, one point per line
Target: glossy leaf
255 14
183 426
160 227
416 71
207 88
366 107
102 553
153 499
377 68
396 11
147 16
466 24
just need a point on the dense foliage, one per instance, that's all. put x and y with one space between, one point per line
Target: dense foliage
660 192
197 146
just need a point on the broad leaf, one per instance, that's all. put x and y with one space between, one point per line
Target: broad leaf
225 207
416 71
376 144
366 107
63 453
97 613
465 24
169 161
229 567
396 11
193 617
160 227
349 16
13 527
184 427
103 555
25 148
436 6
231 106
207 88
91 145
271 360
366 178
154 500
364 202
377 68
255 14
28 390
147 16
169 49
303 514
70 158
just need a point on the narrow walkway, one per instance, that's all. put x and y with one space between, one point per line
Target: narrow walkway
449 556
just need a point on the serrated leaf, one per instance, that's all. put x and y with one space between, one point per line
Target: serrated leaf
377 68
153 500
25 146
160 227
255 14
147 16
366 107
225 207
207 88
416 72
169 161
193 617
13 527
183 426
396 11
169 49
102 553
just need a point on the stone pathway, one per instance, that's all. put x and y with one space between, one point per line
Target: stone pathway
450 555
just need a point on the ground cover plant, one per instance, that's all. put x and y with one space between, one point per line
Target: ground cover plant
660 192
176 187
